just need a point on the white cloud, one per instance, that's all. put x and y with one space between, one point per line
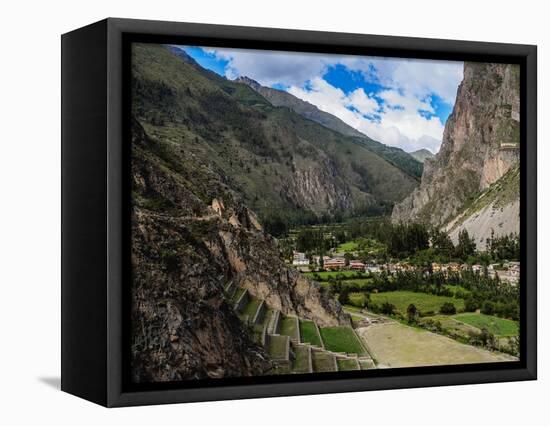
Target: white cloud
270 67
403 127
402 106
365 104
417 77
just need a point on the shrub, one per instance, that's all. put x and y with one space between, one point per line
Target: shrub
387 308
470 305
488 308
448 308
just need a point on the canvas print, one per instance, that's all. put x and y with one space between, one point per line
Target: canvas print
297 213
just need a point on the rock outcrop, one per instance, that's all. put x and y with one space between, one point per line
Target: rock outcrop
191 235
480 145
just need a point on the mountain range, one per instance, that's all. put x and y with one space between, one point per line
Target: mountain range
286 167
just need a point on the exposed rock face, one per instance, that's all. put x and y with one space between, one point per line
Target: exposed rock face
191 235
480 144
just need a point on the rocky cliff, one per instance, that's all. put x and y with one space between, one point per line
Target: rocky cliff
191 235
480 145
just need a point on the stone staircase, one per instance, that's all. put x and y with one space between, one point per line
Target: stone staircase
292 351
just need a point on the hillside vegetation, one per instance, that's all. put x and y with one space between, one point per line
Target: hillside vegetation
286 168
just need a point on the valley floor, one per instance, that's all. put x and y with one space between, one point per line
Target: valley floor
395 345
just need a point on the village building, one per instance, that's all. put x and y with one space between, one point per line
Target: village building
436 267
336 263
477 269
356 265
371 267
454 267
317 259
300 259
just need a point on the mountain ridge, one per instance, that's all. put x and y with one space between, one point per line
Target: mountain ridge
281 98
280 162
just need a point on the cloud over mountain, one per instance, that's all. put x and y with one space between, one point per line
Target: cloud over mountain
399 102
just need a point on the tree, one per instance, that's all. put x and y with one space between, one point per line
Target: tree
442 244
387 308
448 308
412 313
488 308
470 305
343 296
466 246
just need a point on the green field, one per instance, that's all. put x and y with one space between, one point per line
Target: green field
324 276
347 364
341 339
251 308
358 299
424 302
301 363
308 333
277 347
288 327
498 326
322 362
346 247
238 294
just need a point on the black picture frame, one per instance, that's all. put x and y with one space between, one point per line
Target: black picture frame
95 211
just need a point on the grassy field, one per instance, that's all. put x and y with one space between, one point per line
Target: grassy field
322 362
347 364
423 301
251 308
301 363
324 276
347 247
397 345
341 339
498 326
308 333
288 327
357 299
277 347
238 294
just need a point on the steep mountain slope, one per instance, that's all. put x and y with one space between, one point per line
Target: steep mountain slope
480 144
495 210
278 162
422 154
280 98
191 235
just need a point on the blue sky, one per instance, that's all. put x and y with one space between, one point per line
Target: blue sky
399 102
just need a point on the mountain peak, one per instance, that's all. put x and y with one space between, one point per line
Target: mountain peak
182 54
248 81
422 154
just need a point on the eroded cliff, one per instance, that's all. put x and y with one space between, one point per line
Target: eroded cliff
480 145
